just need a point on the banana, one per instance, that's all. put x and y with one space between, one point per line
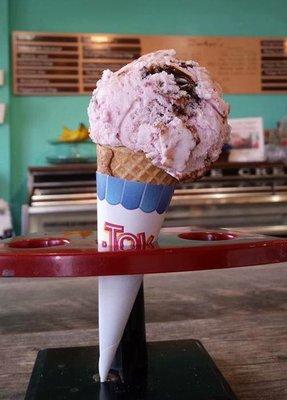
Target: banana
78 135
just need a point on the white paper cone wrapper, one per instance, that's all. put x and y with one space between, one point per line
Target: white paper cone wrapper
130 215
117 295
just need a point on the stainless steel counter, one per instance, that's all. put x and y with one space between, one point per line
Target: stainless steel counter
253 196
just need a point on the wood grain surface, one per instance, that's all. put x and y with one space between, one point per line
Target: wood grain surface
239 315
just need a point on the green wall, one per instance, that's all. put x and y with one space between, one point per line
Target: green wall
36 119
4 98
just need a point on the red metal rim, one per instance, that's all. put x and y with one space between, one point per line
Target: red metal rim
76 254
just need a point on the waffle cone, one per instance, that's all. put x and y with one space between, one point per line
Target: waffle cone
133 166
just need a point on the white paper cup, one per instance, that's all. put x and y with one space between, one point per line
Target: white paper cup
130 216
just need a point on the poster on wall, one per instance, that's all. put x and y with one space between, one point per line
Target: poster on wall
46 63
246 139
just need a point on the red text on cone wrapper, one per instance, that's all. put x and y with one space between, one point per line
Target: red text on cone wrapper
121 240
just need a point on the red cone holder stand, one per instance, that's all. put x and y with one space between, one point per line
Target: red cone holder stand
175 370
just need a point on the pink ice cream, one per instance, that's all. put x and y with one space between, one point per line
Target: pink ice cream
167 108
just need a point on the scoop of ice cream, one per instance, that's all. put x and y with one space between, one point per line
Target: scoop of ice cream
167 108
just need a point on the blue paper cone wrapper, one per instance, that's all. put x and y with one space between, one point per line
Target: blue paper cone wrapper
132 195
130 212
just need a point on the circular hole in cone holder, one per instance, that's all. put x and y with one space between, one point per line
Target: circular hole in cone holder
207 236
38 243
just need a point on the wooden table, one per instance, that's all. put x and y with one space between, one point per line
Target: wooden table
239 315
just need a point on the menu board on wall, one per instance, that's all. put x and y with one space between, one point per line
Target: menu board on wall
63 64
57 63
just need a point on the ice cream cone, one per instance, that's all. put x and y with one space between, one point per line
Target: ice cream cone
132 166
133 196
155 121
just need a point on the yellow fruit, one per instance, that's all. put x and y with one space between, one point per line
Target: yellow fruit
77 135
